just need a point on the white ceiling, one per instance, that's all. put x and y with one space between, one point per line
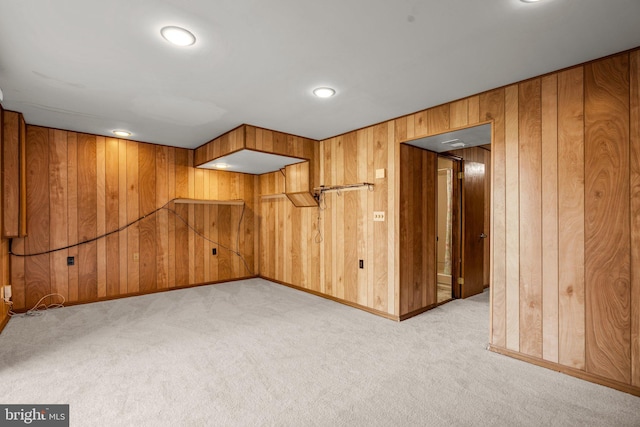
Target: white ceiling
253 162
95 65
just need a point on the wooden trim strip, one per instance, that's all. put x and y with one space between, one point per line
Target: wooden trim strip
210 202
273 196
4 322
140 293
332 298
420 310
626 388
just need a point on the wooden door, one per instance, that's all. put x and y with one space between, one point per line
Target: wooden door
473 190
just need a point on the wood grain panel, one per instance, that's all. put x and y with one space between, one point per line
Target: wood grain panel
571 333
199 254
112 215
225 263
58 212
87 218
473 201
22 220
338 202
493 105
37 276
162 217
607 246
381 242
421 123
635 213
101 223
72 179
351 219
486 269
530 166
123 236
512 217
206 229
549 196
438 119
181 230
417 229
459 113
171 221
10 174
133 213
147 203
493 97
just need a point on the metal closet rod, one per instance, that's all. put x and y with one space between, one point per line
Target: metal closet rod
327 188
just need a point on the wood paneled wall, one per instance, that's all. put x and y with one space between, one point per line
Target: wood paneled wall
82 186
565 215
230 142
571 220
289 251
341 231
5 132
13 140
418 214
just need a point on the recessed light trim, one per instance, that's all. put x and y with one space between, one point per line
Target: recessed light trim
324 92
122 133
178 36
529 1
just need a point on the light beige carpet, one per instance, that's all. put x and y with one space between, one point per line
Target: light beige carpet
256 353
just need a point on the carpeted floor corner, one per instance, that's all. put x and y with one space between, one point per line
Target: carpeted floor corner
256 353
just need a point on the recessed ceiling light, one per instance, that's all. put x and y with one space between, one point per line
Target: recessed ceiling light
122 133
220 165
529 1
178 36
324 92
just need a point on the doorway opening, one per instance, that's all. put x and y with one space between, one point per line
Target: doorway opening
446 204
462 196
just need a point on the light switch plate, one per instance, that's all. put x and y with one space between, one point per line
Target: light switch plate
380 173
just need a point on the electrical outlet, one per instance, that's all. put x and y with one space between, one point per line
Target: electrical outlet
136 256
380 173
214 251
378 216
71 260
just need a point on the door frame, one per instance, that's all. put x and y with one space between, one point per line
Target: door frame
458 268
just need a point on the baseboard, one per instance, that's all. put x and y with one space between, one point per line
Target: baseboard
568 371
419 311
4 322
444 279
137 294
332 298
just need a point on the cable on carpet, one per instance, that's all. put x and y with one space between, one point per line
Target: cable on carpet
39 308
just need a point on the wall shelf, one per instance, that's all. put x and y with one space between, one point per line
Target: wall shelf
273 196
210 202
